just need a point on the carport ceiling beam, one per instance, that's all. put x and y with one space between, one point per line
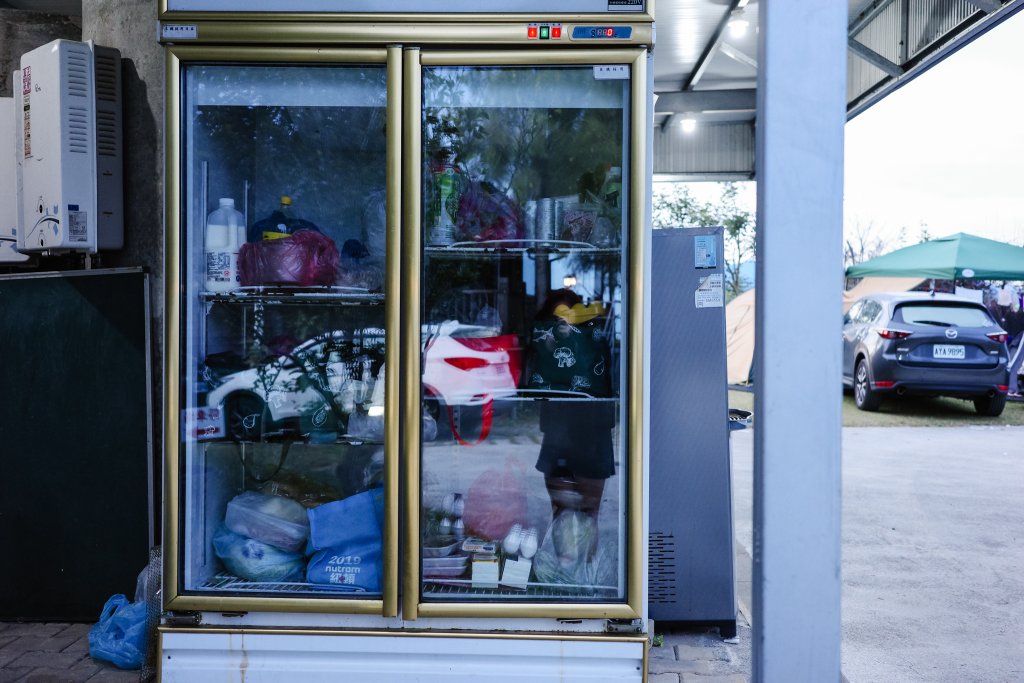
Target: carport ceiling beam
712 46
738 55
740 101
875 59
869 14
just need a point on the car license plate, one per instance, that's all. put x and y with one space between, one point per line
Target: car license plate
953 351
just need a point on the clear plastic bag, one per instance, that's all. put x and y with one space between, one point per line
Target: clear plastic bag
565 556
256 561
275 520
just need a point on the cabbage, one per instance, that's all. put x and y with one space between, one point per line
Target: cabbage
564 556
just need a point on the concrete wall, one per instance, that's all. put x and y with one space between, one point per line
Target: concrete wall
130 26
21 31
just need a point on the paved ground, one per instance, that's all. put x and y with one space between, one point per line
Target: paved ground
52 653
933 551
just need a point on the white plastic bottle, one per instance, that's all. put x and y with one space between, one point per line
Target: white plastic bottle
225 232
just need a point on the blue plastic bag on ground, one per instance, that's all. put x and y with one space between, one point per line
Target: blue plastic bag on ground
119 636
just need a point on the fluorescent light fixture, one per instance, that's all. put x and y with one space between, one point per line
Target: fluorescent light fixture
569 281
689 124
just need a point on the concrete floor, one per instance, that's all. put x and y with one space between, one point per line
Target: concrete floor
933 551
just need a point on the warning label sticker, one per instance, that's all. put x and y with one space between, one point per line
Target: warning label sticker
78 226
710 292
26 93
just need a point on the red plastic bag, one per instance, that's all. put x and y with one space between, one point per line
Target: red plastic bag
306 258
496 500
487 214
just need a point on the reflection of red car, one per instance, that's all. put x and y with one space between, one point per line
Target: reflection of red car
467 371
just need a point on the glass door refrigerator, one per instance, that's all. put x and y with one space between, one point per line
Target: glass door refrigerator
405 333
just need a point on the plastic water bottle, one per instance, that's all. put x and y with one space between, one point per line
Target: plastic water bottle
225 232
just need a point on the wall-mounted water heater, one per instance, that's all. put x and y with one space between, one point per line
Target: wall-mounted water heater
8 187
68 148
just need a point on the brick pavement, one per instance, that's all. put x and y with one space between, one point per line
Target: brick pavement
53 653
701 656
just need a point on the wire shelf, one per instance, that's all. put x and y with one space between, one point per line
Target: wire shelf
353 296
463 589
530 246
230 582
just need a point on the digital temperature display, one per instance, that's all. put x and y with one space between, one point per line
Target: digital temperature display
599 32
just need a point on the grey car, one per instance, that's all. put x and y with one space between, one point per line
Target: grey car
924 344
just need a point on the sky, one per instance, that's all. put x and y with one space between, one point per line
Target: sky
947 149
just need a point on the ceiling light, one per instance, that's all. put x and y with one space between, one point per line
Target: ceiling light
689 124
738 27
569 281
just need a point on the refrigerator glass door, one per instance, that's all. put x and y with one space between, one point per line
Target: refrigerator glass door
283 331
523 467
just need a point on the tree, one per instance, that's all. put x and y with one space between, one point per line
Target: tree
677 207
864 242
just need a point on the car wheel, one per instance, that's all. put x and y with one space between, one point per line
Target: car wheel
863 397
246 417
991 406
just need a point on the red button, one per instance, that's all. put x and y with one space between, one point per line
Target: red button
556 31
531 32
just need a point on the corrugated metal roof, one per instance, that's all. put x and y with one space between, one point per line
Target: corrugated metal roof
890 43
725 151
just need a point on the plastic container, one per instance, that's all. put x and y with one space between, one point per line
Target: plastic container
443 572
274 520
439 546
225 233
450 562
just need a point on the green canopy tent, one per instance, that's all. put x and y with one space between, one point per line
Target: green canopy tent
957 257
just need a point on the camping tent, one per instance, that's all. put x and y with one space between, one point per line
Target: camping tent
874 285
959 256
739 321
739 338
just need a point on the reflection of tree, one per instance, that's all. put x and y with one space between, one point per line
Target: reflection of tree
327 158
606 268
527 151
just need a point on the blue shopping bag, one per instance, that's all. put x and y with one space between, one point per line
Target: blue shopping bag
355 566
351 522
119 636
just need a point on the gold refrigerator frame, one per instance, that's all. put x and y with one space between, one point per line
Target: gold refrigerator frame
412 606
403 270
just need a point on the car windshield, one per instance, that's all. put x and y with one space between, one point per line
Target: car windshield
943 315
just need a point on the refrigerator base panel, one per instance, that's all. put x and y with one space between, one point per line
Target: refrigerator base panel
195 656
